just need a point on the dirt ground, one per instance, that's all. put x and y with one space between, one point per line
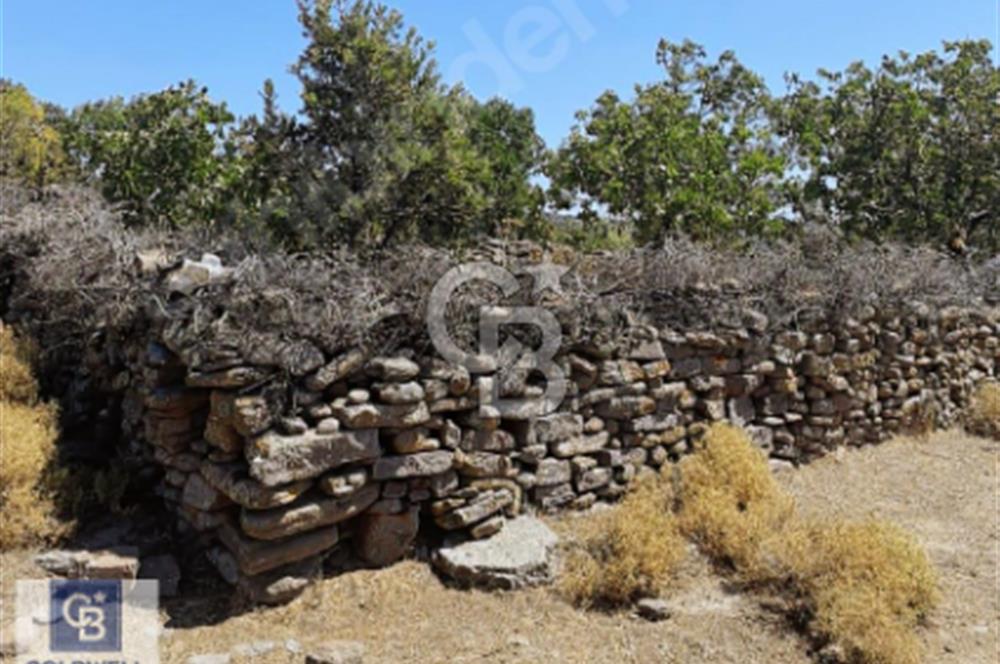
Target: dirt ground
943 489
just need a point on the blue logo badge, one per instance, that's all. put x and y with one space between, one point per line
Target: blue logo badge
86 615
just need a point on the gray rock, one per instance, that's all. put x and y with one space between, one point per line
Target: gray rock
256 556
423 464
282 522
593 479
358 395
487 528
293 426
519 555
653 609
628 407
337 652
275 459
341 367
232 480
382 539
581 445
392 369
282 585
400 393
552 471
412 441
496 440
556 427
121 562
370 415
209 658
654 422
340 484
226 378
483 464
249 415
485 504
551 497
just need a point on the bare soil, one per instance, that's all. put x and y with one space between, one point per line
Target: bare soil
944 489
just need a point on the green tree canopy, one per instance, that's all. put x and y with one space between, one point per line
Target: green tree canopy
692 154
506 137
387 155
163 156
909 150
30 148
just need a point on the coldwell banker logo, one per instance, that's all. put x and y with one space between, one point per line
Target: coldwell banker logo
87 621
494 357
86 616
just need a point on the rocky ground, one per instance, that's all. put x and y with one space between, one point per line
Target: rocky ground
944 489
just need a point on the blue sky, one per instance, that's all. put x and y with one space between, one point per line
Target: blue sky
555 56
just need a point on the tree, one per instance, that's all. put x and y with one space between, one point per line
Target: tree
691 154
163 156
386 151
30 148
909 150
505 136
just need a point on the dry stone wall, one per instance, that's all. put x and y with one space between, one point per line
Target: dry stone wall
358 454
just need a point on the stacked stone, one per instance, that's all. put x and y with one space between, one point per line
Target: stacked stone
371 450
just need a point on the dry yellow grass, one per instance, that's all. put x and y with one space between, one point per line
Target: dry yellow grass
628 552
28 431
868 585
865 585
730 502
27 479
17 382
984 412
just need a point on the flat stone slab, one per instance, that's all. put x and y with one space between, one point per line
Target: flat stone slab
282 522
120 562
277 459
519 555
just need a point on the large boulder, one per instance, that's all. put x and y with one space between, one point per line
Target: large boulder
519 555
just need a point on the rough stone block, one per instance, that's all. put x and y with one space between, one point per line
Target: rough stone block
422 464
276 459
282 522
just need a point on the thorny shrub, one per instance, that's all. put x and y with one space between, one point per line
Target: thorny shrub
864 586
68 268
628 552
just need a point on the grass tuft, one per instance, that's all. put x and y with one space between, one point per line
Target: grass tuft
867 585
864 586
730 503
28 432
631 551
27 482
17 382
984 411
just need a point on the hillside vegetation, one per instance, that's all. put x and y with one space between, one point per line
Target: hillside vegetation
382 152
